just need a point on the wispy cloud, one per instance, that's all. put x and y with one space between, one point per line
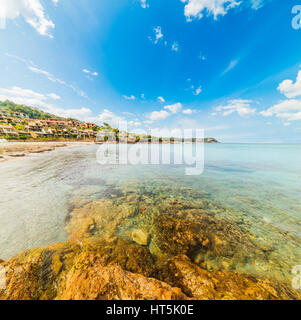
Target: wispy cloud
144 4
87 71
35 69
198 91
175 46
231 66
131 97
239 106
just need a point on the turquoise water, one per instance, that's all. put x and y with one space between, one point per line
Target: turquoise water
256 187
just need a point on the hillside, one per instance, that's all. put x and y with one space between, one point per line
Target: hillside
31 113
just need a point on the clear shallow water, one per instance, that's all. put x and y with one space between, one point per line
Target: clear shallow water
257 187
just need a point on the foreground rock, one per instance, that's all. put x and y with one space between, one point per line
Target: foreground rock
186 253
68 271
120 270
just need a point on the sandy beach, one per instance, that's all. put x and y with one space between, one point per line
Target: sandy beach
12 150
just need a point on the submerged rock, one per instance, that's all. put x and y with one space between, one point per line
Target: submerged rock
107 254
220 285
141 237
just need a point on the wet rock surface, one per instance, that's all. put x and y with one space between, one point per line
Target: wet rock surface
145 244
17 150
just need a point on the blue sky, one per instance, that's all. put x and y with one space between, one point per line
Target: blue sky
228 66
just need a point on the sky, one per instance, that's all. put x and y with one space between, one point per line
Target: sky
230 67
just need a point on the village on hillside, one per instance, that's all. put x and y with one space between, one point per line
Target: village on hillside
22 123
17 126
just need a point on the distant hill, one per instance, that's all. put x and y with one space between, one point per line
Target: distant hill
32 113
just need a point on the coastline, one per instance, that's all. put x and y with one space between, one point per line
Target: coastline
12 150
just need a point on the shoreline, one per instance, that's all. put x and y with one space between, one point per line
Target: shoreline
13 150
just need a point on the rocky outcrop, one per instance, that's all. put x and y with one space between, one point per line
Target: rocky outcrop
200 284
95 271
113 283
114 271
131 246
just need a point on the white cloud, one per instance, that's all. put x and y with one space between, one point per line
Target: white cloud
110 118
159 115
174 108
241 107
54 96
175 46
257 4
289 110
161 99
34 99
144 4
32 12
188 111
94 74
195 9
131 97
55 2
158 35
197 91
134 124
290 89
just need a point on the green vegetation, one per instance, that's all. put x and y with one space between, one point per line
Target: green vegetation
32 113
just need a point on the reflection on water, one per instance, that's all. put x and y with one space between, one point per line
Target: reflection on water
243 214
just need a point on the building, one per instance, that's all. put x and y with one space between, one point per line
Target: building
8 131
